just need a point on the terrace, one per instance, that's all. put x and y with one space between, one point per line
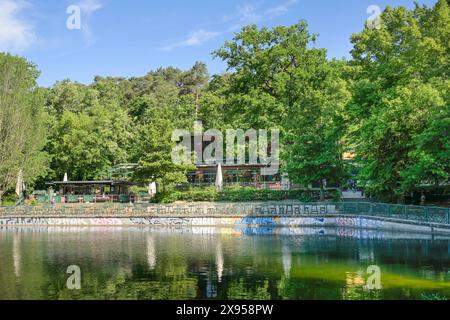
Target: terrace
88 191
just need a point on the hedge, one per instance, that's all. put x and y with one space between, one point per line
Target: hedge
240 194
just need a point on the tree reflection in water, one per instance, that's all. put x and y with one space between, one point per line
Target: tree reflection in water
184 263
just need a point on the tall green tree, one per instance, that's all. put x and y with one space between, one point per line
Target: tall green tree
88 134
399 113
194 82
281 80
22 135
152 151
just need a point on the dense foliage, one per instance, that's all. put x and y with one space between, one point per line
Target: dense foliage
389 105
239 194
400 111
22 135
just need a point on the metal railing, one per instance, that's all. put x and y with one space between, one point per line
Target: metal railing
86 198
284 208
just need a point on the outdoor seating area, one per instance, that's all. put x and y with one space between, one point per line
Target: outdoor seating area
87 192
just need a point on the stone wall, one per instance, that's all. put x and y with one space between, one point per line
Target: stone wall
186 209
345 222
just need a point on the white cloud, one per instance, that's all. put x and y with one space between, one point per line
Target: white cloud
244 15
281 9
194 39
200 36
248 14
277 11
88 7
16 34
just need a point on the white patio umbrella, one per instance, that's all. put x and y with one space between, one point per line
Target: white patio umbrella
219 178
65 177
152 188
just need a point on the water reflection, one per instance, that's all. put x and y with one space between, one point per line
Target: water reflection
219 260
209 263
17 255
287 260
151 252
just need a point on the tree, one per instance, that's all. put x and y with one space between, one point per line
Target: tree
194 81
22 135
430 159
400 100
85 146
316 128
90 136
279 82
153 151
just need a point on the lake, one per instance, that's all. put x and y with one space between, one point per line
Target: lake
220 263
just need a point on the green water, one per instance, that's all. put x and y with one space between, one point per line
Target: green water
209 263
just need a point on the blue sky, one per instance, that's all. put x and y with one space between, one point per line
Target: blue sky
129 38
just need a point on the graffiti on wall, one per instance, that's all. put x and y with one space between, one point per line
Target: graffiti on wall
60 221
347 226
360 233
359 222
161 221
257 221
315 221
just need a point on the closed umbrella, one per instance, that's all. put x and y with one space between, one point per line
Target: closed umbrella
65 177
152 189
219 178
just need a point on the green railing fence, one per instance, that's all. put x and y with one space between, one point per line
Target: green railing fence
398 211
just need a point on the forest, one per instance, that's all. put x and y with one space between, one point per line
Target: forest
388 105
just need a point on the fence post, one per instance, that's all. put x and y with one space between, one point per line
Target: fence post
427 214
448 216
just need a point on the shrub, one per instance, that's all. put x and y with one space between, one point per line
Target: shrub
240 194
191 195
198 194
334 195
9 199
138 190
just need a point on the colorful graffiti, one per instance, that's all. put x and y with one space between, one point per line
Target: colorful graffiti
359 222
360 227
61 221
160 221
316 221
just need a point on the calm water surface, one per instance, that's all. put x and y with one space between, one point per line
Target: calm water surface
209 263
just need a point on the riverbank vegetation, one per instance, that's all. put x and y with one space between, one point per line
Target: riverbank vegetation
388 105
